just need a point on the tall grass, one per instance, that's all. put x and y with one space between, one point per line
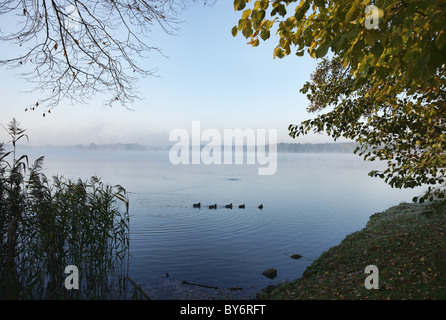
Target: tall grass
46 226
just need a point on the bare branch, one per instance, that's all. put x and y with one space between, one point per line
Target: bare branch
73 49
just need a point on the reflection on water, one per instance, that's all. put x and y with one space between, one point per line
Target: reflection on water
180 252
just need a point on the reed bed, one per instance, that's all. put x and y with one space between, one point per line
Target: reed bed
46 226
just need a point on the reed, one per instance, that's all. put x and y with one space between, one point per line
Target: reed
47 225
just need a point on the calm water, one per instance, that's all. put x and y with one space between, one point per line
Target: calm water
310 204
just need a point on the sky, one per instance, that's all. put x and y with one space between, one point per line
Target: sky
205 74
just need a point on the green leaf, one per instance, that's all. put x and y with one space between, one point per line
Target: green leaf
377 49
369 38
320 3
259 15
396 42
246 13
338 42
300 13
247 32
352 13
257 5
278 52
440 40
321 51
234 31
239 5
281 9
265 34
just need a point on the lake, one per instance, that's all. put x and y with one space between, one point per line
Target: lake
309 205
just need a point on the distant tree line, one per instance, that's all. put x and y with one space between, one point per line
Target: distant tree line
344 147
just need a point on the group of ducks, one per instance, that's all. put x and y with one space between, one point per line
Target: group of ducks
229 206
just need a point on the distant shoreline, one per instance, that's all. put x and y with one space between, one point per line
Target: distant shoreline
333 147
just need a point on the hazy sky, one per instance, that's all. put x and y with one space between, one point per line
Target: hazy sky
208 76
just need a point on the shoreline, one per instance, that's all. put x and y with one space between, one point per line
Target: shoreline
406 243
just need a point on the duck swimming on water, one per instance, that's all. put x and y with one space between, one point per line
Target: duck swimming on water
213 206
261 206
229 206
242 206
197 205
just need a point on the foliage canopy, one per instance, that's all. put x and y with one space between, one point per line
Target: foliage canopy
384 87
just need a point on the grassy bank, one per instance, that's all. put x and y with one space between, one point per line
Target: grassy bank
407 243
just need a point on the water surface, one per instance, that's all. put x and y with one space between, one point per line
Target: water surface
310 204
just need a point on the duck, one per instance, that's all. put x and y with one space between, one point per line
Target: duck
261 206
229 206
213 206
197 205
242 206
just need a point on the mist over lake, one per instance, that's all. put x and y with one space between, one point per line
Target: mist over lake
309 205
